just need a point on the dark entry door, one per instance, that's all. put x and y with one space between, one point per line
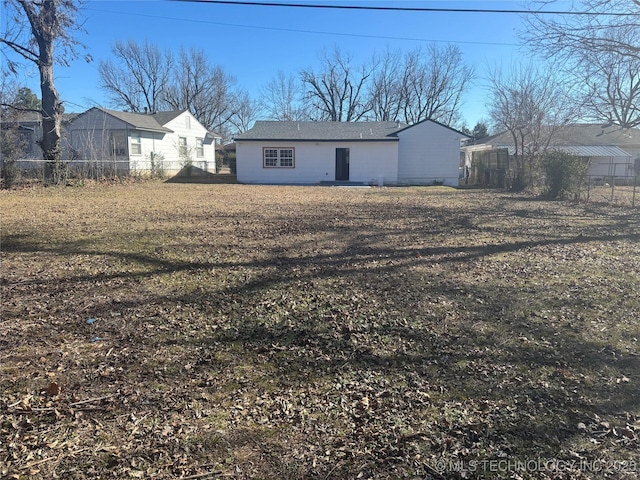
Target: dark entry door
342 164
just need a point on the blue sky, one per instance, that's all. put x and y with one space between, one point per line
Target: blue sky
253 42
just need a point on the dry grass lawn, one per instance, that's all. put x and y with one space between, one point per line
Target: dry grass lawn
226 331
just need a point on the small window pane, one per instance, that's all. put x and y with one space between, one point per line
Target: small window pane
286 158
136 144
270 157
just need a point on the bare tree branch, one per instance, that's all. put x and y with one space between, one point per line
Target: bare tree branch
138 77
601 53
337 92
282 99
42 33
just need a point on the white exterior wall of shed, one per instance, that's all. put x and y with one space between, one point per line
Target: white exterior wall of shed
316 162
610 166
428 153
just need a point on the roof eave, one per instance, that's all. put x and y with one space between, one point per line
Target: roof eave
386 139
144 129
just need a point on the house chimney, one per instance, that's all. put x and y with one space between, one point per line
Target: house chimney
145 110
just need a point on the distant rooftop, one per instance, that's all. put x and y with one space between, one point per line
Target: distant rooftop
577 134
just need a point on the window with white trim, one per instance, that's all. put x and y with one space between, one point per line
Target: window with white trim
278 157
200 147
136 143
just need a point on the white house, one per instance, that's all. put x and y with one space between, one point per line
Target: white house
274 152
611 151
138 142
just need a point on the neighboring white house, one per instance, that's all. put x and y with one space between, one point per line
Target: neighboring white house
274 152
139 142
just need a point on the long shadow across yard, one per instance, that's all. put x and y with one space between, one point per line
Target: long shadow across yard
319 345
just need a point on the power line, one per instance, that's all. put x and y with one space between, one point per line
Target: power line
405 9
292 30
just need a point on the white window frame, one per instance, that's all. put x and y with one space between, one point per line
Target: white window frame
187 121
136 143
199 147
278 157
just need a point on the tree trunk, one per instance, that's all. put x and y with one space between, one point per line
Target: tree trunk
52 108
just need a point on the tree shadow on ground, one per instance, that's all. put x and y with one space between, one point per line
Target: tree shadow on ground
193 174
379 344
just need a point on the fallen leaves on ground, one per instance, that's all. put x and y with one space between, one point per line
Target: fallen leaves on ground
203 331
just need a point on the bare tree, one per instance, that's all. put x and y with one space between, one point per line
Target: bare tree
245 112
137 78
338 90
601 51
594 30
613 89
206 90
531 104
386 87
433 83
282 99
42 33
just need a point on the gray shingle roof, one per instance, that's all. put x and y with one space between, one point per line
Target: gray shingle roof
587 134
165 117
322 131
578 134
141 121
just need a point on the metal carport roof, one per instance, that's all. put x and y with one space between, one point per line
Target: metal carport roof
591 150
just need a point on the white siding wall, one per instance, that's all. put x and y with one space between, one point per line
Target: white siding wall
90 138
428 153
634 151
316 162
170 148
150 142
608 166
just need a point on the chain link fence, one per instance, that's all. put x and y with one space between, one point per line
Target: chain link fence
38 169
618 190
618 184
